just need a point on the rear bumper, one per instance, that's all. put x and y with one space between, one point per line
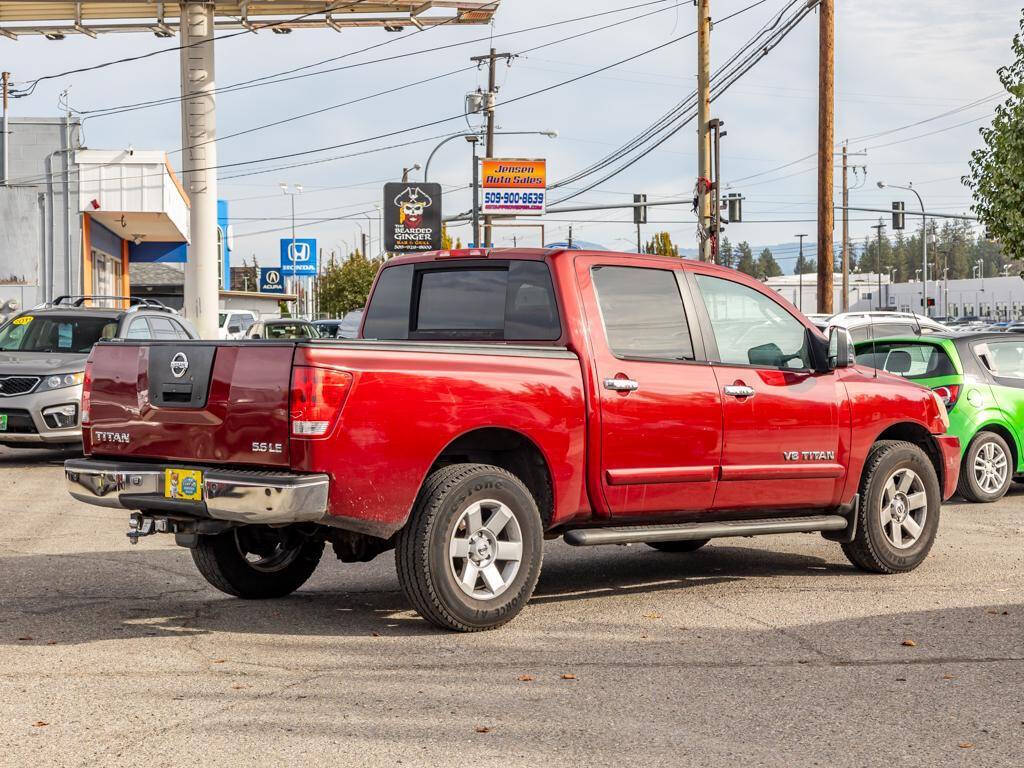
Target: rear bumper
232 495
949 446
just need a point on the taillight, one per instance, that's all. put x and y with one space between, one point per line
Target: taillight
948 393
316 399
86 393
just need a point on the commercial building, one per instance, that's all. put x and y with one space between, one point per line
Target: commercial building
99 222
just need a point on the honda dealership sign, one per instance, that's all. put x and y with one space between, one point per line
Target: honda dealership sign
412 217
513 187
298 256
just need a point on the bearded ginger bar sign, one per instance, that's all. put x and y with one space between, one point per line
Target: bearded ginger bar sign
412 217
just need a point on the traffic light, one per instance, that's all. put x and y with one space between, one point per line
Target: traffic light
898 217
639 211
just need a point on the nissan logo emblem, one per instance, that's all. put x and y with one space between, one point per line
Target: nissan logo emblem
179 365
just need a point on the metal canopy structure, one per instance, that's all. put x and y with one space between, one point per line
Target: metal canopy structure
56 19
196 21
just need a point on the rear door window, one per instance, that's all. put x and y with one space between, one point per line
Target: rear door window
164 330
642 313
907 359
138 330
1004 359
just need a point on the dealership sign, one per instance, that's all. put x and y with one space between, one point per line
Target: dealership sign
298 256
513 187
270 280
412 217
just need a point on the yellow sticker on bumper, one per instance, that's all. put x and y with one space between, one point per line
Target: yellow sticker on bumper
183 484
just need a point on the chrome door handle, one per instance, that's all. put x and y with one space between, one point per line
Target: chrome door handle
621 385
737 390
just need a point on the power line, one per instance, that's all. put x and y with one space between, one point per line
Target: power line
289 75
128 59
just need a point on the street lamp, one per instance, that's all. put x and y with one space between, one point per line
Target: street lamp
291 253
550 133
405 171
924 238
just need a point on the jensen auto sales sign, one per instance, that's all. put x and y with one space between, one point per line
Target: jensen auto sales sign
513 187
412 217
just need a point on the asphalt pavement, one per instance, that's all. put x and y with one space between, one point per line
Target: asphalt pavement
750 652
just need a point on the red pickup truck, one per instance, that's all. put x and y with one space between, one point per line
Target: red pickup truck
498 398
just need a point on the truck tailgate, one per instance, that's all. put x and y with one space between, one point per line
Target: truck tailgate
196 402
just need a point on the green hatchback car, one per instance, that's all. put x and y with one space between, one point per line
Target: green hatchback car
980 378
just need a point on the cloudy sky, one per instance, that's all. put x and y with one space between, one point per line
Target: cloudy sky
897 64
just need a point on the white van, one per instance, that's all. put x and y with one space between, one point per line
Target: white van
234 323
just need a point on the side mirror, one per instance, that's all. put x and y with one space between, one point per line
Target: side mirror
840 348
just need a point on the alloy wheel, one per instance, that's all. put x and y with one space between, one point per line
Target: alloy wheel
485 556
990 467
903 508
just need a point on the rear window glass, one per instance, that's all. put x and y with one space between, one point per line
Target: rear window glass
55 333
500 300
911 361
1005 359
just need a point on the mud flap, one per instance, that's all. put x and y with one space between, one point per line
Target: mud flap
850 512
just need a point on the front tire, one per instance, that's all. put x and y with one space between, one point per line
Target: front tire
986 471
257 563
470 554
898 515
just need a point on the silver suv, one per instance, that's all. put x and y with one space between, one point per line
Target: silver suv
42 362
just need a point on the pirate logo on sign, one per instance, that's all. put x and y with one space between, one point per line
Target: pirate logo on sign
413 220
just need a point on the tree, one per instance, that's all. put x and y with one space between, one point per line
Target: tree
997 169
805 264
726 258
661 244
745 262
767 266
344 287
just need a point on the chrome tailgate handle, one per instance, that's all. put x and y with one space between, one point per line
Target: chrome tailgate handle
739 390
621 385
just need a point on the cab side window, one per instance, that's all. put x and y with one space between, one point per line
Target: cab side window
642 313
752 329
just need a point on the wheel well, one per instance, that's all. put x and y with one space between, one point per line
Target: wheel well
1004 433
921 437
509 450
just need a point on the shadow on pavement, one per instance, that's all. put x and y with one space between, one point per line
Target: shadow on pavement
84 597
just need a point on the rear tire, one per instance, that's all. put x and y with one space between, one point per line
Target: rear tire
691 545
257 563
470 554
985 473
898 515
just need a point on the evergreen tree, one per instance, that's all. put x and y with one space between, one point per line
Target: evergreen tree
997 169
767 266
745 262
726 258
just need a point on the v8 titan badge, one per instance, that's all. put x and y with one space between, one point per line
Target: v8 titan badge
183 484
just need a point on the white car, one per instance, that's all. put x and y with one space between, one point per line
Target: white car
235 323
880 324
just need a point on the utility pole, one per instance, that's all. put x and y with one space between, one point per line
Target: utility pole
826 115
5 78
492 92
704 221
878 259
846 236
476 192
800 271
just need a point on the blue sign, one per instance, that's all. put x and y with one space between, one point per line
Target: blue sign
298 257
271 280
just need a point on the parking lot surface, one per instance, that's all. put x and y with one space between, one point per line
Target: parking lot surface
753 652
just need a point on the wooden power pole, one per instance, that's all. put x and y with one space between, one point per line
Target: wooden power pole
826 130
492 91
705 221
